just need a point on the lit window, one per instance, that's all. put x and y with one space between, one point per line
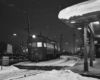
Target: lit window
45 45
39 44
58 49
30 44
55 47
50 46
26 50
34 44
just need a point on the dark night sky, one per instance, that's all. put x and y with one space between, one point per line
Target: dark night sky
43 16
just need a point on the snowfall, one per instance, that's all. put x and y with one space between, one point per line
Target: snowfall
14 73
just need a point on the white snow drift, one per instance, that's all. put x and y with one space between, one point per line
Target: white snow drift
7 69
55 75
63 74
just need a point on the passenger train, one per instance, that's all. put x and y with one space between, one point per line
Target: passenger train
42 48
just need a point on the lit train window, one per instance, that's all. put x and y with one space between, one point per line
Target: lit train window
26 50
58 49
39 44
50 46
45 45
29 44
34 44
55 47
23 51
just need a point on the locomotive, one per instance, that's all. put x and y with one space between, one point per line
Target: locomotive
42 48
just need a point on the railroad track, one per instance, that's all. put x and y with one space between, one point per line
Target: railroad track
55 65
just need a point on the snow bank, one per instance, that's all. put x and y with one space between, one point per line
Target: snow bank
8 69
56 75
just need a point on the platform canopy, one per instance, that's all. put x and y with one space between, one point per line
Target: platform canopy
85 12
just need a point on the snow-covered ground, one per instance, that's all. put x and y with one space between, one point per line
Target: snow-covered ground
14 73
6 69
18 74
57 75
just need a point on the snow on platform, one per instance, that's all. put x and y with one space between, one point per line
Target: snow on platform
94 70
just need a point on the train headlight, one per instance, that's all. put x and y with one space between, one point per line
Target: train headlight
33 36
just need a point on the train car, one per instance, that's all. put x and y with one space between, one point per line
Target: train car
42 48
53 49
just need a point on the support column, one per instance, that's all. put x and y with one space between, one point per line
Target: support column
91 49
74 42
61 44
92 43
85 49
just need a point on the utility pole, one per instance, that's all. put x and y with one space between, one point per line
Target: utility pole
91 48
28 22
28 27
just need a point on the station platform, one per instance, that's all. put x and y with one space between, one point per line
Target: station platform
92 71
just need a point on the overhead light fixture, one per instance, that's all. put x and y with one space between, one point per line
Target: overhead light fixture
72 22
97 23
97 36
14 34
79 28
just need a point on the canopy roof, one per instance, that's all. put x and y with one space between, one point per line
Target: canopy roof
87 11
